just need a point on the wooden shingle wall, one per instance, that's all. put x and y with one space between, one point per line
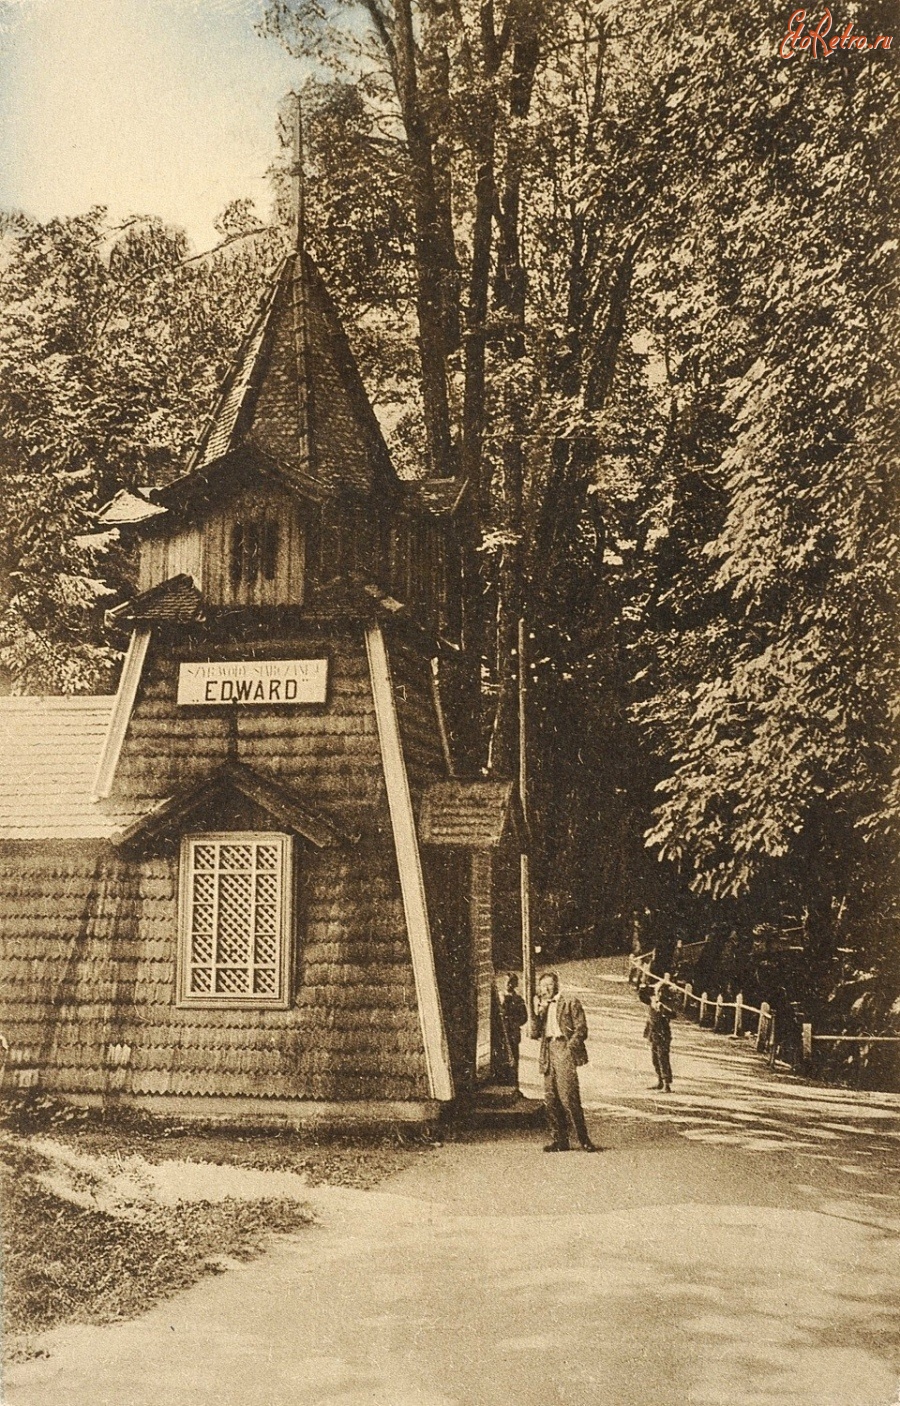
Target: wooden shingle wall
69 919
352 1031
329 754
88 939
89 965
418 719
446 871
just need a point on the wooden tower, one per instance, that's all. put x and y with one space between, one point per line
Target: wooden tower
251 885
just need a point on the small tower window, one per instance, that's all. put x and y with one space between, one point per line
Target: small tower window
254 552
269 549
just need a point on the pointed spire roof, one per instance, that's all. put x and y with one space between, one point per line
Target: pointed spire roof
294 396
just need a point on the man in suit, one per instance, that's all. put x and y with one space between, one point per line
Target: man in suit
561 1027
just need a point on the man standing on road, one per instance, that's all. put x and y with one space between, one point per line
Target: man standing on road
561 1027
658 1031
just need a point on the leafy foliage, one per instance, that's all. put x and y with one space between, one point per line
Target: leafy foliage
770 643
688 432
111 344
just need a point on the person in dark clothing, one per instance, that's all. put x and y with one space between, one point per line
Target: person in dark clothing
658 1031
513 1015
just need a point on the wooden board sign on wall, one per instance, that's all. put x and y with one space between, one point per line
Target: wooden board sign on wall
253 681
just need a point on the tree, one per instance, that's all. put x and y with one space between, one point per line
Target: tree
689 518
112 342
766 644
649 314
448 87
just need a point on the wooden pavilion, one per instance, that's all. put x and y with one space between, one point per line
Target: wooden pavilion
251 885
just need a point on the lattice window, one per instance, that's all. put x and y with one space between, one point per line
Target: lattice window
235 919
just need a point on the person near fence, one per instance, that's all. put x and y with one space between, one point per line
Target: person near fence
561 1027
658 1031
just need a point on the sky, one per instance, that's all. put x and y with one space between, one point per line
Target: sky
160 107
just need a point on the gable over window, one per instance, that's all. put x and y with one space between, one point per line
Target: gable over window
235 919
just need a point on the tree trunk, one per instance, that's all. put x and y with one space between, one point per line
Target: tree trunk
510 290
510 284
430 245
503 756
476 317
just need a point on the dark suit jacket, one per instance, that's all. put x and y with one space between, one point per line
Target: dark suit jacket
514 1013
573 1027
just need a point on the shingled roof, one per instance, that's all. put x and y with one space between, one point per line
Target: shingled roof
295 395
127 509
466 814
439 496
176 601
49 749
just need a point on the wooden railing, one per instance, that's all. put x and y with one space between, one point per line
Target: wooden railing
717 1013
811 1064
713 1012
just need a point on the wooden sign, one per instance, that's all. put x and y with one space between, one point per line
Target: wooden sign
253 681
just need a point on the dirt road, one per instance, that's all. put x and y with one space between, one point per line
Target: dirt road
735 1242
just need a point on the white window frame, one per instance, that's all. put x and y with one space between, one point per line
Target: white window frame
213 1000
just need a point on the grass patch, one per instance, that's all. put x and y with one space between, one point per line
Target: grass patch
360 1160
66 1264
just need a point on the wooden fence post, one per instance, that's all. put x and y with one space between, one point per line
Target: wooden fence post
806 1038
704 1002
720 1012
773 1044
688 997
762 1030
738 1015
